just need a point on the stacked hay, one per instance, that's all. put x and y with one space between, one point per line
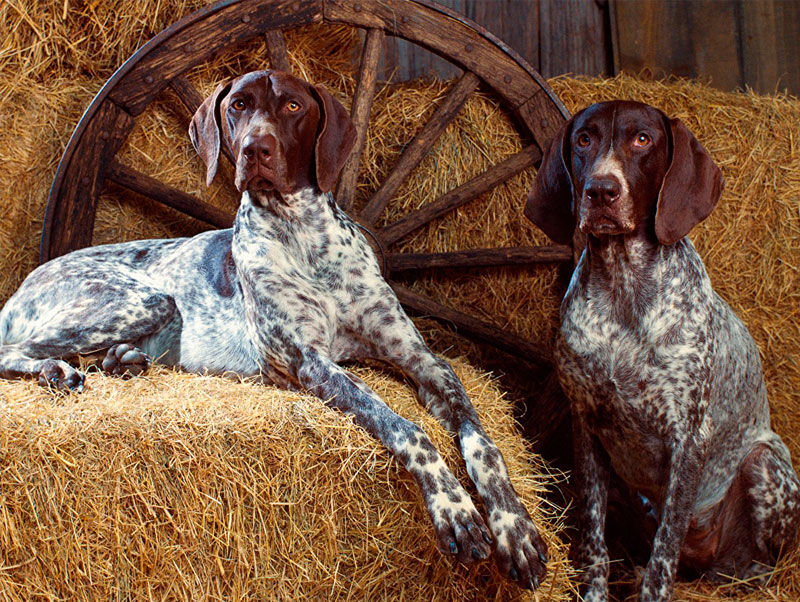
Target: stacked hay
183 487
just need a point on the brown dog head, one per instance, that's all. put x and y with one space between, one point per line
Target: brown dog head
284 133
623 167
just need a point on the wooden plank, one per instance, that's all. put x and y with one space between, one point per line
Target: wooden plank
573 38
714 42
416 150
171 197
224 27
614 39
705 44
69 216
513 21
470 326
771 46
276 49
480 258
190 98
640 44
461 195
359 113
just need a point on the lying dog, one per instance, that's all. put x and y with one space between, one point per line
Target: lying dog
664 380
287 293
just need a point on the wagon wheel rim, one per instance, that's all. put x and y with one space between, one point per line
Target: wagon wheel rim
89 159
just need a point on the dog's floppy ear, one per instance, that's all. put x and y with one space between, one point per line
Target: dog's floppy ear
691 188
550 202
205 130
335 138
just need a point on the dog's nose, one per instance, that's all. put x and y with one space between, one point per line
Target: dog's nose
605 190
258 147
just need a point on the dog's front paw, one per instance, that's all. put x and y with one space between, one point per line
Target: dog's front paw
59 375
460 530
125 360
521 553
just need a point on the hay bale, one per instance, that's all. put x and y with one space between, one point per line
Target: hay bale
185 487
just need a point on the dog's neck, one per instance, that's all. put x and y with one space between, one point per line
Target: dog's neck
302 206
622 258
630 269
304 214
302 223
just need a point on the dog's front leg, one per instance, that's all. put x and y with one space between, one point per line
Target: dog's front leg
521 553
591 483
685 468
460 530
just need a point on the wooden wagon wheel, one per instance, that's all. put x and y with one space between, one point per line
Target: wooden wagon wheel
89 160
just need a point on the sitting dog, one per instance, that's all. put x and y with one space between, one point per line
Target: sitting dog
664 381
285 295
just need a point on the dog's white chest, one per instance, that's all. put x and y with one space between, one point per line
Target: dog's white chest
633 356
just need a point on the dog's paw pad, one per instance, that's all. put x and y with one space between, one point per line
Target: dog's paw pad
125 360
60 376
521 552
461 532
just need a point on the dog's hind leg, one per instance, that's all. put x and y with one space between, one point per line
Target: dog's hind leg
14 362
758 517
773 492
40 330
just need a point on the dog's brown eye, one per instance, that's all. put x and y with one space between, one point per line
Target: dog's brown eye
583 140
293 106
642 140
239 104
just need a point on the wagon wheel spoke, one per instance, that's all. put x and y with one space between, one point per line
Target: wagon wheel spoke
471 326
276 50
190 98
461 195
166 195
479 258
419 146
359 113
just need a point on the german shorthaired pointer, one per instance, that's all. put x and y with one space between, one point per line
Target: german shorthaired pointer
285 295
664 380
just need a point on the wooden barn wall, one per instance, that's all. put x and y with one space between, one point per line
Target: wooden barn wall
554 36
732 43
